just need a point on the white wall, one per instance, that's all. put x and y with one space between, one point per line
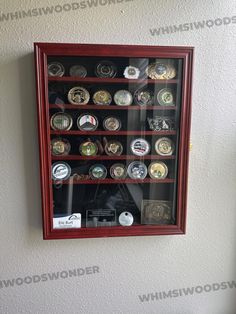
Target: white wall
128 267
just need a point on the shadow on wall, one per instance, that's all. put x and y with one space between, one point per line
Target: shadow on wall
30 141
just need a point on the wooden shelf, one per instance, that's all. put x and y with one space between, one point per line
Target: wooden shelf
109 107
110 80
112 181
105 157
115 133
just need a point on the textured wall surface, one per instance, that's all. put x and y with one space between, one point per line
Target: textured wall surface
128 267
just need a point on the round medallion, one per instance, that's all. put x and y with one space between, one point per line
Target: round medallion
78 71
131 72
98 172
106 69
56 69
140 147
113 148
112 124
118 171
61 171
61 121
165 97
60 147
88 148
137 170
123 98
102 97
126 219
164 146
87 122
158 170
161 71
78 96
143 97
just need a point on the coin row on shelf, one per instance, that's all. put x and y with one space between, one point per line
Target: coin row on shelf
139 147
144 96
62 121
159 70
135 170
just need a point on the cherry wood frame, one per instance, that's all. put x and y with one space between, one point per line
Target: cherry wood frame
42 51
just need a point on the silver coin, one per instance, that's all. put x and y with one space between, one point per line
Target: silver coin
165 97
78 71
144 97
118 171
137 170
123 98
106 69
112 124
131 72
56 69
126 219
61 171
61 121
87 122
140 147
98 172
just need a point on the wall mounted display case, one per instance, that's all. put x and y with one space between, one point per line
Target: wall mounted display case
114 129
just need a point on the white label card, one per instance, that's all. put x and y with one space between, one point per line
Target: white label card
72 221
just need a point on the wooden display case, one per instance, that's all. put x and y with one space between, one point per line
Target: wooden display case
114 129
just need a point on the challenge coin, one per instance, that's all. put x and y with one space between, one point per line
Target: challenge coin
164 146
56 69
88 148
78 71
102 97
126 219
158 170
60 147
165 97
112 124
140 147
106 69
161 123
98 172
137 170
87 122
118 171
78 96
161 71
131 72
123 98
61 121
61 171
113 148
144 97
